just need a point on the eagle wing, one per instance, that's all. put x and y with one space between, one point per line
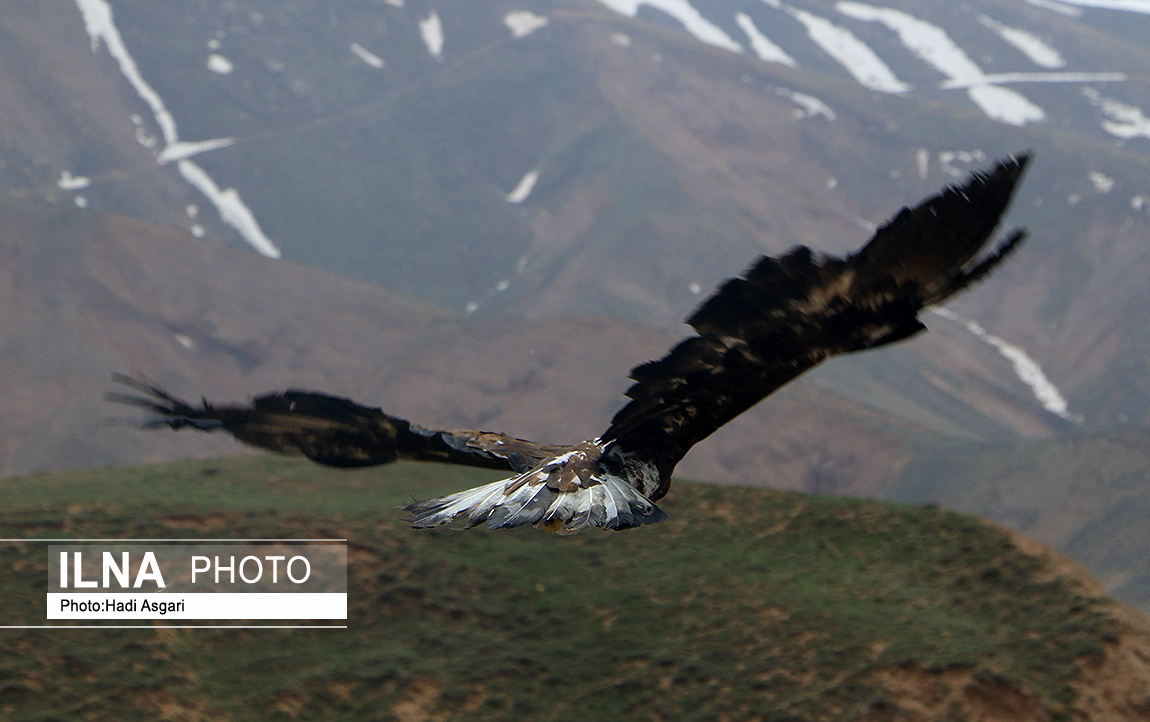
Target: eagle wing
784 316
756 333
331 430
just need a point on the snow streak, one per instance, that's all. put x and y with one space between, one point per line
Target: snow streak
934 47
1054 6
1030 45
1132 6
761 44
181 150
809 105
97 16
219 64
1004 78
854 55
432 31
1125 121
366 55
929 42
1025 368
71 182
1101 182
232 209
522 23
524 188
694 22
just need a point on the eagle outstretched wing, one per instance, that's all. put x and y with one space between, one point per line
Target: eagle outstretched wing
757 332
331 430
783 316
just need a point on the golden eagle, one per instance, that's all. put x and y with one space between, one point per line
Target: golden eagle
757 332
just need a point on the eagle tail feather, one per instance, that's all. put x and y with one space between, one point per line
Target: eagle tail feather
608 504
165 409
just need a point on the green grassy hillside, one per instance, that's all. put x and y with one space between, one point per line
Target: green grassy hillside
1084 494
745 604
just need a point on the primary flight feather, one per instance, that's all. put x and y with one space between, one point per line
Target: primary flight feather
757 332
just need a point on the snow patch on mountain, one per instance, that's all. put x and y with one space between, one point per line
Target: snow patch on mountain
1007 78
1131 6
366 55
1025 368
97 16
854 55
1101 182
219 64
232 209
193 212
767 50
957 163
922 162
179 150
1030 45
431 30
522 23
1055 6
691 19
524 188
934 47
1123 121
143 137
808 105
71 182
928 42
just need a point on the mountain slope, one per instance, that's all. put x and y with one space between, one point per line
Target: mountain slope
745 603
564 157
90 296
86 296
1085 495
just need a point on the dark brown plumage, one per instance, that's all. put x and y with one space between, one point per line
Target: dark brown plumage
756 333
783 316
332 431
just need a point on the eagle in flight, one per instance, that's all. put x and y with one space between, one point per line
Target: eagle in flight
757 332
